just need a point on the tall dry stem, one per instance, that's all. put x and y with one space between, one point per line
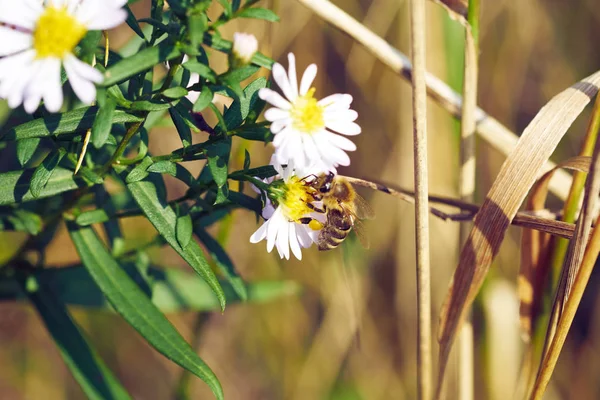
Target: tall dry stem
424 342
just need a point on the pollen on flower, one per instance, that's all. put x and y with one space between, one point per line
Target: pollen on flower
296 198
307 114
57 32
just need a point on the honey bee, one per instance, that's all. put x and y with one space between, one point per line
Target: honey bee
343 207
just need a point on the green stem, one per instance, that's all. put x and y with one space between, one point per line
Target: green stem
133 129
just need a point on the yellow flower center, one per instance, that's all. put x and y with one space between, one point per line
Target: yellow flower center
307 115
295 199
57 32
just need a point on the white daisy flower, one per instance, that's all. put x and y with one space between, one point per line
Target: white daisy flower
244 47
307 131
37 37
282 228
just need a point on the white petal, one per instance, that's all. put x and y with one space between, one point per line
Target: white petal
307 78
13 41
340 141
281 78
52 92
339 115
279 125
22 13
260 234
274 114
303 237
283 240
281 137
81 78
294 245
338 101
344 127
292 77
272 229
274 98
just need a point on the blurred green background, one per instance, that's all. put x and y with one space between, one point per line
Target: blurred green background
351 333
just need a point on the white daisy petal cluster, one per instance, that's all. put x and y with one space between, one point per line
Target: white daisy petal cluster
282 228
309 131
37 37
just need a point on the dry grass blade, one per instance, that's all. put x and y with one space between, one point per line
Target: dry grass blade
534 249
488 128
517 175
560 321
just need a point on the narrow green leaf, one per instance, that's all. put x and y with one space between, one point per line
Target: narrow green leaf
92 217
184 229
78 120
103 122
259 13
163 167
140 171
226 7
185 134
43 172
149 194
15 185
265 171
147 105
88 369
175 92
132 22
201 69
139 62
246 160
223 262
239 110
26 149
258 133
31 221
204 99
136 308
173 290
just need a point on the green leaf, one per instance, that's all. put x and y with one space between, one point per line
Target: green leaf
136 308
226 7
259 13
88 369
26 149
185 134
147 105
184 229
223 262
92 217
15 185
30 220
149 194
204 99
258 133
239 110
163 167
140 171
197 25
132 22
139 62
201 69
103 122
172 290
43 172
78 120
175 92
246 160
265 171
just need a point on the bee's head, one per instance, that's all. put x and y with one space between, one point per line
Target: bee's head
325 187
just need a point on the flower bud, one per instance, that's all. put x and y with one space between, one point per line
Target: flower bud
244 47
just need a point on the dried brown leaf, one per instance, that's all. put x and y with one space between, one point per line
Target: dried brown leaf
534 249
516 177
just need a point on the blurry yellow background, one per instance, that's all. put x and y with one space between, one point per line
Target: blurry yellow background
351 334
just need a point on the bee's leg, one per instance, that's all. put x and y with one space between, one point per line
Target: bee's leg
311 222
315 209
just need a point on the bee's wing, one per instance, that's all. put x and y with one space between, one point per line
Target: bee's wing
362 209
361 233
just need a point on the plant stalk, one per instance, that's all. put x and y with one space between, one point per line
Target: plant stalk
424 339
